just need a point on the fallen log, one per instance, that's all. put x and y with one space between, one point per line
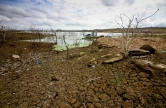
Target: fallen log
138 52
144 65
150 67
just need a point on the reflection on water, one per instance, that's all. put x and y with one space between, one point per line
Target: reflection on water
74 39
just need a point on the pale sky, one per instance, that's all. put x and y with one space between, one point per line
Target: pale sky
79 14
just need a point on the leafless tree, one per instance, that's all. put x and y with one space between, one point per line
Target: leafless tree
55 34
127 37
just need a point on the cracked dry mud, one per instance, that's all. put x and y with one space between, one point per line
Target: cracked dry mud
69 83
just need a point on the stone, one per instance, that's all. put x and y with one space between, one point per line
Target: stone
92 62
82 54
112 60
104 97
53 78
148 48
23 105
15 56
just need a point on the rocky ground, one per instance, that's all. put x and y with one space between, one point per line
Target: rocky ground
42 78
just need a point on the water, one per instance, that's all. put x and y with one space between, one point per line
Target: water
73 39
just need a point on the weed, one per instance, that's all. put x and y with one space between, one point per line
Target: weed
116 80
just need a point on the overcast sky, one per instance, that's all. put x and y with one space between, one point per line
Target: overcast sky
79 14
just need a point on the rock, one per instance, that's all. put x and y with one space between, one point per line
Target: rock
53 78
138 52
148 48
23 105
104 97
64 105
73 55
113 60
82 54
15 56
92 62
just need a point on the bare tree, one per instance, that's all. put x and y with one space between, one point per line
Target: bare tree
55 34
127 30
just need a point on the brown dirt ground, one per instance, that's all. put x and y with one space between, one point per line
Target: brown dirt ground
70 83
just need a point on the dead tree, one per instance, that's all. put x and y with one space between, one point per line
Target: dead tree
55 34
126 30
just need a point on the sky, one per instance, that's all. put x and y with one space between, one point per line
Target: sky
80 14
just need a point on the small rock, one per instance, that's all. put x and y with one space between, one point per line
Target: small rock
15 56
82 54
53 78
92 62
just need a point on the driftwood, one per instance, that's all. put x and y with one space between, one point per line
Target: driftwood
144 65
106 55
112 60
150 67
138 52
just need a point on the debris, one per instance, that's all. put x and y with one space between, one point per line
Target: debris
148 48
15 56
92 62
106 55
82 54
144 64
38 62
138 52
113 60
